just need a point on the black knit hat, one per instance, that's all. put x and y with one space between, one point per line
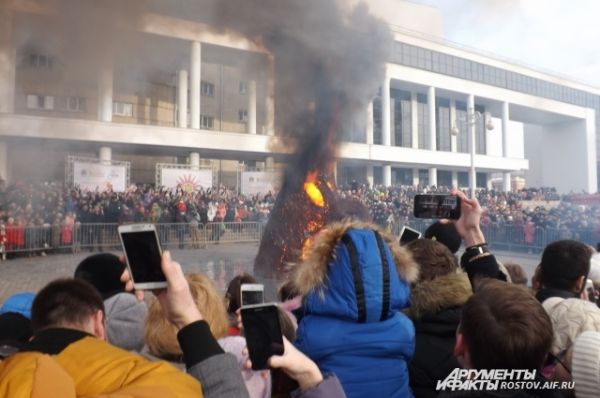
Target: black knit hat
445 233
15 332
104 272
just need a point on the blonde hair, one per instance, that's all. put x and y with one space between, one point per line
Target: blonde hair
161 335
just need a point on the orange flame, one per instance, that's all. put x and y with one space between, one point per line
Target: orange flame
312 190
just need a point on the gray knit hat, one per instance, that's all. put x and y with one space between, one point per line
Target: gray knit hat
586 365
125 320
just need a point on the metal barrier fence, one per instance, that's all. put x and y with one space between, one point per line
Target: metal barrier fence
59 238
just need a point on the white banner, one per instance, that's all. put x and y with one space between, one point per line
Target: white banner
102 177
254 182
189 180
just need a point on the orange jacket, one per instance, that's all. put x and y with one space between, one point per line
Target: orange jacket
92 368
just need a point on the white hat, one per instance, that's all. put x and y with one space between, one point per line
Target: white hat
586 365
594 274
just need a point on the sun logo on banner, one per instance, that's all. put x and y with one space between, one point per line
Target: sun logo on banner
188 183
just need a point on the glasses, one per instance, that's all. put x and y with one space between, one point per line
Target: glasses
553 360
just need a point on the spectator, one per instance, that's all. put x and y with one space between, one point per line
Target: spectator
445 233
351 323
437 299
563 270
124 315
586 365
161 335
517 274
233 299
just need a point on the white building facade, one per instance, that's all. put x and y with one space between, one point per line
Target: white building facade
210 99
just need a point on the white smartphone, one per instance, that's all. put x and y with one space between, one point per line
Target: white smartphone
251 294
408 235
142 255
591 292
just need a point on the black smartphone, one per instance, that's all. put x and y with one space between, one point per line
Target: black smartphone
408 235
263 333
143 255
437 206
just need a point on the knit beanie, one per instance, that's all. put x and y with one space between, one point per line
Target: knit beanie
125 319
19 303
445 233
104 272
586 365
14 328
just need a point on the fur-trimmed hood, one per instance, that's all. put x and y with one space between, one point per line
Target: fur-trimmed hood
438 294
311 274
355 272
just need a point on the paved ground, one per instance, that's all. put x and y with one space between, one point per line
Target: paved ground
220 262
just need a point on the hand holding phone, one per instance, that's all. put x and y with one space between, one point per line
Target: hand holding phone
263 333
142 255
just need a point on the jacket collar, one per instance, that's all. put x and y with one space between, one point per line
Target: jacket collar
548 292
54 341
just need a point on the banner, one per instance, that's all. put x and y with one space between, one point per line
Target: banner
254 182
586 199
188 180
102 177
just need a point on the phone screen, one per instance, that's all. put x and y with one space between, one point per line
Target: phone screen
437 206
143 256
408 235
250 297
263 333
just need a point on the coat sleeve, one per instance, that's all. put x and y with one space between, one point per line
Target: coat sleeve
330 387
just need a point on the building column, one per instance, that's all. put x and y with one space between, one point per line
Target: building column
195 160
182 99
454 179
453 122
105 90
387 175
195 82
370 124
269 163
105 154
432 176
506 183
4 161
370 179
471 126
252 107
415 177
270 100
414 120
334 170
385 112
8 56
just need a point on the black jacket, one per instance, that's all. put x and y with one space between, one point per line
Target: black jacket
435 311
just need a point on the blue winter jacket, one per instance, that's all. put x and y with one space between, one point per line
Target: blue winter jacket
353 326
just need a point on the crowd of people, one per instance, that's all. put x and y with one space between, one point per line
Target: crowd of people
41 217
359 316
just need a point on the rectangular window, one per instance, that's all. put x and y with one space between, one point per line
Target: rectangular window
207 122
40 61
243 115
75 104
377 125
443 123
243 87
123 109
43 102
207 89
423 121
462 140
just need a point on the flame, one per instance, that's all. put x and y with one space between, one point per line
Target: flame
312 190
306 245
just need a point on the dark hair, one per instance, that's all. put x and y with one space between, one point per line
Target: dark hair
434 258
104 271
517 274
64 301
563 262
233 291
505 327
348 208
287 291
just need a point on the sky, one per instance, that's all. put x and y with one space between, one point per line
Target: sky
561 36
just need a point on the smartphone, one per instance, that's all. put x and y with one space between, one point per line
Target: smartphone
263 333
142 255
408 235
591 292
437 206
252 293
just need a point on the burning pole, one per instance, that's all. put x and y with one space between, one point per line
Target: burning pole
307 193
